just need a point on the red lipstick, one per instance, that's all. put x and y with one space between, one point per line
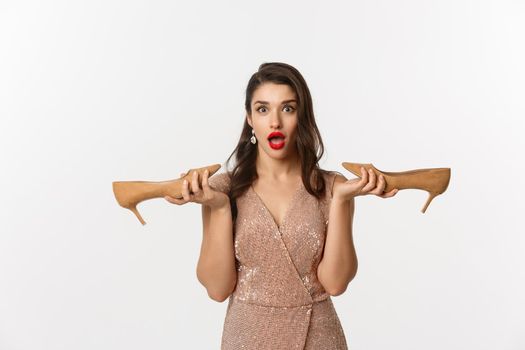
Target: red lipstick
276 144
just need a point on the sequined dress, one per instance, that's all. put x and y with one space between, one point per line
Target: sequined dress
278 302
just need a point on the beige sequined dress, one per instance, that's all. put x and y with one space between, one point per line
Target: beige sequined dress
278 302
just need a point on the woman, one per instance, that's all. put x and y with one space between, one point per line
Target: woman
278 229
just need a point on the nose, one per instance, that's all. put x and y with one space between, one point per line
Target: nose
275 120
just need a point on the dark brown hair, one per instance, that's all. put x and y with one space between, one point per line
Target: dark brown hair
309 143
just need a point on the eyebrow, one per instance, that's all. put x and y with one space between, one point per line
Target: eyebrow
266 102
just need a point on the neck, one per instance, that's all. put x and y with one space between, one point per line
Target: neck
278 169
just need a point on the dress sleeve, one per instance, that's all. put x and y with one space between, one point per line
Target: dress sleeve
220 182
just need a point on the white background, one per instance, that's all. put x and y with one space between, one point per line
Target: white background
98 91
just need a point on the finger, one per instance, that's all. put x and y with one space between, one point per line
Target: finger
380 188
371 181
174 200
362 181
390 194
364 177
205 184
185 191
195 188
372 178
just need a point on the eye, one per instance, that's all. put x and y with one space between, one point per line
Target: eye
263 107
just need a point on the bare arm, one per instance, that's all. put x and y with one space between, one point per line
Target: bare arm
339 263
216 267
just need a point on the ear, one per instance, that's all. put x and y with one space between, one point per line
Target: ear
249 120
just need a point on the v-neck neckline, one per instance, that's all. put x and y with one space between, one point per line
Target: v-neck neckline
286 213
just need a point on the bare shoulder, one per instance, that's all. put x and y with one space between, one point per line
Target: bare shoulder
338 179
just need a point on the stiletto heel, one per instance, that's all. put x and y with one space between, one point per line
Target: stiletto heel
130 193
136 212
429 199
433 180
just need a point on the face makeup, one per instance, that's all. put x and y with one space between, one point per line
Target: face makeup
276 140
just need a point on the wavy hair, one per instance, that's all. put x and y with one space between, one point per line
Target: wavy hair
309 143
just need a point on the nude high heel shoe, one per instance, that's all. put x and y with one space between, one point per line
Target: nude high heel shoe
131 193
433 180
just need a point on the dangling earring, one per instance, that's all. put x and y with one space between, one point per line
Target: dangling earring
253 139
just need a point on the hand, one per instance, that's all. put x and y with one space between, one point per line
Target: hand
203 194
365 185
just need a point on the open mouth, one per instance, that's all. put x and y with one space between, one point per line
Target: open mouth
276 140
